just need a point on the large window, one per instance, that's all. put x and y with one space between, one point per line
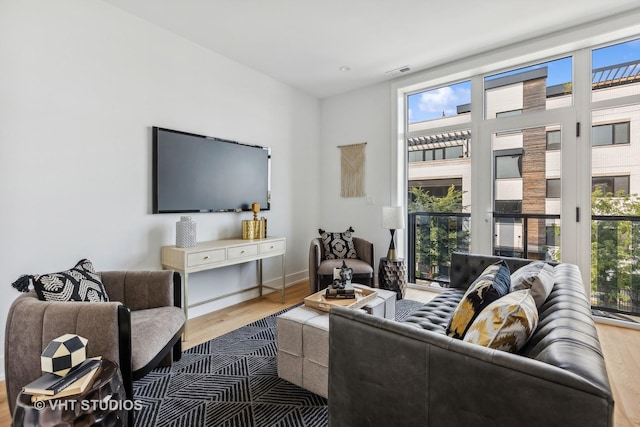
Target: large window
529 174
615 171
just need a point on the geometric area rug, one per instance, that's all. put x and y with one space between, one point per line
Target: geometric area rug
232 381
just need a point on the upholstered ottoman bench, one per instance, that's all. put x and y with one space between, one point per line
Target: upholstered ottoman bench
303 342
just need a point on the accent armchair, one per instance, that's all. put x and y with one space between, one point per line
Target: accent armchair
321 269
139 328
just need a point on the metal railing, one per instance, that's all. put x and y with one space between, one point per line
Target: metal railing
615 263
433 236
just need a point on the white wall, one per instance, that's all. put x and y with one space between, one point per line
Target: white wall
350 118
81 84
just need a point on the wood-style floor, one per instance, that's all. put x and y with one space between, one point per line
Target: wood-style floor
621 346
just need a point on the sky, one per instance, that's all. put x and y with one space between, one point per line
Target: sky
435 103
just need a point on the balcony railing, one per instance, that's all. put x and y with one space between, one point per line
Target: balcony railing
615 263
432 237
615 251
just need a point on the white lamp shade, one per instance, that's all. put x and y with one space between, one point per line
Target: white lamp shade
392 217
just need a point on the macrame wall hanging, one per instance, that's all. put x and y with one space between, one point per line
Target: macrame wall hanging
352 159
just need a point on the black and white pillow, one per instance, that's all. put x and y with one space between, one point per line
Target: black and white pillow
338 245
80 283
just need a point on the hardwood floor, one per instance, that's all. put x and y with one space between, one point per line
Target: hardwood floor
621 346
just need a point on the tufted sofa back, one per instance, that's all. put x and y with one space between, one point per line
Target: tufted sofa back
465 268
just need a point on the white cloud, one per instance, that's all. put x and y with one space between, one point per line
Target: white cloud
444 99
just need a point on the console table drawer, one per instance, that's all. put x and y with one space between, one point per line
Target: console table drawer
205 257
278 246
242 251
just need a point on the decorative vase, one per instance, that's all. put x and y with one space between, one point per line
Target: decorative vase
185 232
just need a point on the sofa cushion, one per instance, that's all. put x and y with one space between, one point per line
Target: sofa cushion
79 283
338 245
360 268
492 284
505 324
537 276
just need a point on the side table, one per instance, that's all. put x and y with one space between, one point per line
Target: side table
392 275
102 404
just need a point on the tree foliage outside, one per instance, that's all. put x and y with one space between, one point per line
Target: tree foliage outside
437 236
615 250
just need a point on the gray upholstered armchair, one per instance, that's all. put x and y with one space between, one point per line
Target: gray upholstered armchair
140 327
321 270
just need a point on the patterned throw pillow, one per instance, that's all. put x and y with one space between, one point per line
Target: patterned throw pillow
80 283
338 245
505 324
537 276
492 284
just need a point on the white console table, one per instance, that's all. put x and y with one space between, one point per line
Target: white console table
221 253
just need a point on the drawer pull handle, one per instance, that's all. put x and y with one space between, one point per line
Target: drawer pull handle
271 247
242 252
206 257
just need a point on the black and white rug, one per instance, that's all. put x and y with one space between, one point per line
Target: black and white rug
230 381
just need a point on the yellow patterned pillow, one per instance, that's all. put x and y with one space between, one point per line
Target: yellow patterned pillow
505 324
489 286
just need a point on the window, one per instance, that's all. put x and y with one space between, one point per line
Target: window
609 134
436 154
553 140
616 185
508 206
416 156
439 106
509 166
552 235
509 113
453 152
553 188
542 86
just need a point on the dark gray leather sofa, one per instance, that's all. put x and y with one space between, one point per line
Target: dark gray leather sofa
386 373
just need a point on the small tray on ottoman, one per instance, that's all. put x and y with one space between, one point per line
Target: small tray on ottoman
319 302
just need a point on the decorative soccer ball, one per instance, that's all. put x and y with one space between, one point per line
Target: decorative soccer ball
63 353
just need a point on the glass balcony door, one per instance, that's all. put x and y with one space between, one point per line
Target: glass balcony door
615 177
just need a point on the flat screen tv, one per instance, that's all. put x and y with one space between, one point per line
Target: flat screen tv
195 173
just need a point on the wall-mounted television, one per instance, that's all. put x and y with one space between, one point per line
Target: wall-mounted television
196 173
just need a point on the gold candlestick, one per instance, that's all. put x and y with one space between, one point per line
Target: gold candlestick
255 208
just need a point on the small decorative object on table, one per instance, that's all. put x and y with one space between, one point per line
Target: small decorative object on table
101 402
185 232
63 353
341 286
255 228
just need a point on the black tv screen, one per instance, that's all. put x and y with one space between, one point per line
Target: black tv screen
195 173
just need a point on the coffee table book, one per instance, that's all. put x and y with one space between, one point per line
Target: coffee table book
319 301
76 387
50 384
346 290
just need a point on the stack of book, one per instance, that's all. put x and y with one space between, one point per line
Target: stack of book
347 292
51 386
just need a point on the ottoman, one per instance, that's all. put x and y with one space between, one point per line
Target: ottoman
303 342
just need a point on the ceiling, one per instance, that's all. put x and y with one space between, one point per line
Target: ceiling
304 43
